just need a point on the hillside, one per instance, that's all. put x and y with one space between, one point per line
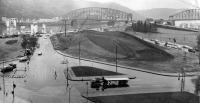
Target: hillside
159 13
51 8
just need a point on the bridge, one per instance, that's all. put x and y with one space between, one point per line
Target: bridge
97 13
187 19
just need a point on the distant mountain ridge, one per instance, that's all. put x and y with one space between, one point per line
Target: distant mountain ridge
159 13
35 9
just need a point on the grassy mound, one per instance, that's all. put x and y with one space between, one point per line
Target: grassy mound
11 42
83 71
10 51
131 51
93 42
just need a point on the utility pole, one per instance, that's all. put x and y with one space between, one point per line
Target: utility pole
4 90
116 57
183 79
67 73
69 93
87 91
79 52
13 92
65 26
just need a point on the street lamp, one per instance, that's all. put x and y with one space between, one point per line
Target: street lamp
116 56
115 53
87 91
3 76
67 73
183 79
65 25
69 93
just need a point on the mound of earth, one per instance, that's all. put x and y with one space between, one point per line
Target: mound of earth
103 45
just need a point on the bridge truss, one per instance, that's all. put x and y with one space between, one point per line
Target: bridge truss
97 13
192 14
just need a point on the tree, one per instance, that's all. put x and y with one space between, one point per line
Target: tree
198 46
145 27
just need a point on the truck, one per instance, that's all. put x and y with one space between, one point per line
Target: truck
110 82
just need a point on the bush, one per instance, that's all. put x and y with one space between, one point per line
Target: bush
29 42
11 42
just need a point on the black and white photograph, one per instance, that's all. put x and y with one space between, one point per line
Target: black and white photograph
99 51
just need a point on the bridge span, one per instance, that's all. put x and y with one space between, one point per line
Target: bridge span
186 19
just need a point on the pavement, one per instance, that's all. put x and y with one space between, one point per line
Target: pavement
9 99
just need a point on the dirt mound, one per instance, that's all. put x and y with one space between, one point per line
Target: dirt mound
103 44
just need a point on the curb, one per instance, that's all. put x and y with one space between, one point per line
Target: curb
126 67
9 60
89 99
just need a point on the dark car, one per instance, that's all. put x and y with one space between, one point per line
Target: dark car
191 50
9 67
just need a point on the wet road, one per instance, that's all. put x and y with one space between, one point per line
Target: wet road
42 86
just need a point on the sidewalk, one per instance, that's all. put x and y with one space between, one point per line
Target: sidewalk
9 99
132 68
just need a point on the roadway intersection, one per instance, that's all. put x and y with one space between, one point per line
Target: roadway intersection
42 86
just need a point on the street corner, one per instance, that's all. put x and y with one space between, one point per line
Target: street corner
8 98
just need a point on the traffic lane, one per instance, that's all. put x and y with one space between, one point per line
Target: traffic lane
86 90
47 63
146 77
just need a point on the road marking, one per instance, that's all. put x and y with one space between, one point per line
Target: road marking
159 85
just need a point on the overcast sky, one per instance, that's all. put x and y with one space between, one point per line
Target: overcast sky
148 4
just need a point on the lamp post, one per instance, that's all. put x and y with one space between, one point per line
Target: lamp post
115 53
69 93
87 91
79 52
183 79
67 73
4 90
65 25
116 56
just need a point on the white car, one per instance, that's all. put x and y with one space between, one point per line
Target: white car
39 53
23 59
45 37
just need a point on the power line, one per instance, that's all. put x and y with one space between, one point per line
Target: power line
190 4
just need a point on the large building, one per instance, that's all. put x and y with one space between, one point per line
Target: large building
187 19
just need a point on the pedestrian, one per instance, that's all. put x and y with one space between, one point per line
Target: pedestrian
6 94
178 76
55 75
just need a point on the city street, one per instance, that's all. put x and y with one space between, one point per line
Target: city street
45 81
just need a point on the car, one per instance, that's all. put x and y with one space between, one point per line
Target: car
45 37
38 46
9 67
191 50
22 59
39 53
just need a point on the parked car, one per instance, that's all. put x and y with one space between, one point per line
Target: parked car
38 46
191 50
22 59
39 53
9 67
